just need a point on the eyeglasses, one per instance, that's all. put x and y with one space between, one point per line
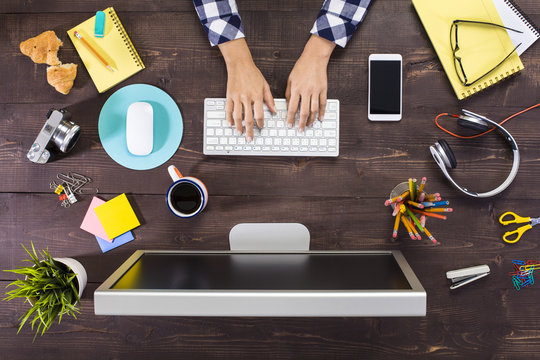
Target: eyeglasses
458 65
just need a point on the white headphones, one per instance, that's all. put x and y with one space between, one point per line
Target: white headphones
444 157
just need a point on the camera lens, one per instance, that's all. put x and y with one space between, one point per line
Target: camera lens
66 135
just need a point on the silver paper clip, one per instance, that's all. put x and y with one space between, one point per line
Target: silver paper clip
465 276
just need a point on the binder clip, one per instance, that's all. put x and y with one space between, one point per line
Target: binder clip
464 276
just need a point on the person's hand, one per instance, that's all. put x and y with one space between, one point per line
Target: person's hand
246 88
307 83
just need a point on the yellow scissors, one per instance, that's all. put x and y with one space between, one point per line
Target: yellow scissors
516 219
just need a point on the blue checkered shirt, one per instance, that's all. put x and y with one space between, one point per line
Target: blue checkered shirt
337 20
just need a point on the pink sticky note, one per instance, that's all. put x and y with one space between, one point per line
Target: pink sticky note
91 222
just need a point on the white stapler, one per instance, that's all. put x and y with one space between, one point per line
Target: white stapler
464 276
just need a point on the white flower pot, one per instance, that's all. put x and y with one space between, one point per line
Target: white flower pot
78 269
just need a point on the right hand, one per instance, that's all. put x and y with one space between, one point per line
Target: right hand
246 89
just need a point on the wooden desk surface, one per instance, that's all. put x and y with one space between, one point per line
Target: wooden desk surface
339 200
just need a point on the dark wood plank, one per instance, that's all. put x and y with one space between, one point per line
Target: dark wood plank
363 164
339 200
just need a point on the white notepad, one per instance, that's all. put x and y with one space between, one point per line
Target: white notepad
514 18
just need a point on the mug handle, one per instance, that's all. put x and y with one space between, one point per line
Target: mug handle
174 173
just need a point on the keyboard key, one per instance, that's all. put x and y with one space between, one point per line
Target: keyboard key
228 148
212 140
247 147
219 132
329 125
220 102
282 133
294 148
256 148
317 124
322 148
280 123
332 149
241 140
268 141
305 141
303 148
219 147
264 132
259 140
281 105
225 124
228 132
223 141
210 132
322 142
211 102
332 106
273 132
213 123
287 141
318 133
296 141
266 148
330 116
271 123
312 148
237 148
210 147
284 148
332 142
313 142
309 132
330 133
275 148
215 114
232 141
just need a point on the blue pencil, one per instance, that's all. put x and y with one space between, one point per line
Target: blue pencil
429 204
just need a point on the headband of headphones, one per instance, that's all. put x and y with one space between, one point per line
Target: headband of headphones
445 159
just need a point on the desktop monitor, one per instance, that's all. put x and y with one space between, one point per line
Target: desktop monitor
233 283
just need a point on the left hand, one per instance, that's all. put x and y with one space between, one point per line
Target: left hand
308 83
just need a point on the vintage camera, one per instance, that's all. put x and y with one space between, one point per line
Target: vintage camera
58 133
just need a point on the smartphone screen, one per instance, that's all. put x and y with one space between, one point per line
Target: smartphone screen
385 87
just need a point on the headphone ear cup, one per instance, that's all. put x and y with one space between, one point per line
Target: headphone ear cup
472 123
448 152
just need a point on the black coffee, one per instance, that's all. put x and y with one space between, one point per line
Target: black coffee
186 198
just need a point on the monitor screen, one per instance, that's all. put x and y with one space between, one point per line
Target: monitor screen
242 271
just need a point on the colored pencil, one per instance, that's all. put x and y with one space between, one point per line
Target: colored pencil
415 204
418 237
93 51
421 197
411 190
423 220
408 227
429 214
396 225
414 195
415 220
396 199
396 208
439 210
435 203
430 236
422 184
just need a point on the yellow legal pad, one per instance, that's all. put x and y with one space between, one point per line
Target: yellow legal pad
481 47
117 216
115 47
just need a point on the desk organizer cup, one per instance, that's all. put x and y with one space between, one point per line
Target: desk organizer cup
187 196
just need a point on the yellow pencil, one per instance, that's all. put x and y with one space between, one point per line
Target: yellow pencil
408 227
415 204
93 51
422 184
430 236
418 237
396 225
439 210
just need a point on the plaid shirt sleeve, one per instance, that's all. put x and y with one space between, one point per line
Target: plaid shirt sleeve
220 19
338 19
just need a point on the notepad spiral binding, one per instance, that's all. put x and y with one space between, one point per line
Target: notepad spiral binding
125 37
495 79
526 20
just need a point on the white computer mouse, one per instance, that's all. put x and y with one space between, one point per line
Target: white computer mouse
140 128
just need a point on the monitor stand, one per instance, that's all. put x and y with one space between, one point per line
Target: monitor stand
269 237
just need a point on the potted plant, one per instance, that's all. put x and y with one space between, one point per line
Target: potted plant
52 286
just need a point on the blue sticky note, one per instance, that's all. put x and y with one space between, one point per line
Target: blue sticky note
117 241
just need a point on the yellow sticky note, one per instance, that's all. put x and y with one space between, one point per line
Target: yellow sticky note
117 216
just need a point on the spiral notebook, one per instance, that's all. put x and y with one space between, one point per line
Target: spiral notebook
513 17
482 47
115 47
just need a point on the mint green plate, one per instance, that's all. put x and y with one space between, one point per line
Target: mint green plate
168 126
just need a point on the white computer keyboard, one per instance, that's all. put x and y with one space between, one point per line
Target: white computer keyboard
275 138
